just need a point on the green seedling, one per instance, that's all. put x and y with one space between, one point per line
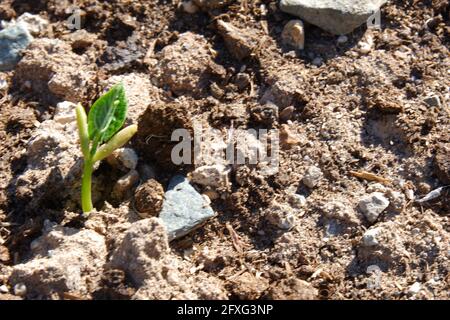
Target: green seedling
99 136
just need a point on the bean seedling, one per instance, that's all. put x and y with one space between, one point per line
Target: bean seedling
99 136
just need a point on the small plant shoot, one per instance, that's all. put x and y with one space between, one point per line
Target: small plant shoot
100 135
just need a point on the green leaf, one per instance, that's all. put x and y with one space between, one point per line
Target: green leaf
107 114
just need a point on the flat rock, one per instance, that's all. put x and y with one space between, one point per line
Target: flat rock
335 16
373 205
12 41
184 209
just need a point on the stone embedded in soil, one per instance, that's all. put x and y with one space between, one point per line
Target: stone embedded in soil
144 254
33 22
239 42
342 210
65 112
13 40
294 34
123 188
123 159
338 17
215 176
370 237
187 66
373 205
281 215
312 177
54 71
184 209
64 260
432 101
148 198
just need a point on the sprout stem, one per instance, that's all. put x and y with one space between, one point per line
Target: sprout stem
86 200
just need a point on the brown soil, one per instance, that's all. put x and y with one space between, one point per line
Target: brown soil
357 111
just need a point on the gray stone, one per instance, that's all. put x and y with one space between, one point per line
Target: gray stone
370 237
432 101
373 205
335 16
12 41
312 177
184 209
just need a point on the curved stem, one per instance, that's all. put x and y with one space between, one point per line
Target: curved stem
86 200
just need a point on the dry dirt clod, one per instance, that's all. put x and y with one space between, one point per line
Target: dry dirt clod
148 198
144 254
293 289
442 162
186 66
49 65
64 259
240 43
247 287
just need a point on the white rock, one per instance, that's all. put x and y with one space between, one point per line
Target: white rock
20 290
65 112
415 288
340 209
211 175
124 158
4 289
312 177
297 200
369 238
376 187
294 34
373 205
281 216
34 23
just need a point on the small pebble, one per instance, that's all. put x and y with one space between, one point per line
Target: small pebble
432 101
342 39
415 288
4 289
20 289
123 158
297 201
373 205
286 113
312 177
294 34
369 238
317 61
